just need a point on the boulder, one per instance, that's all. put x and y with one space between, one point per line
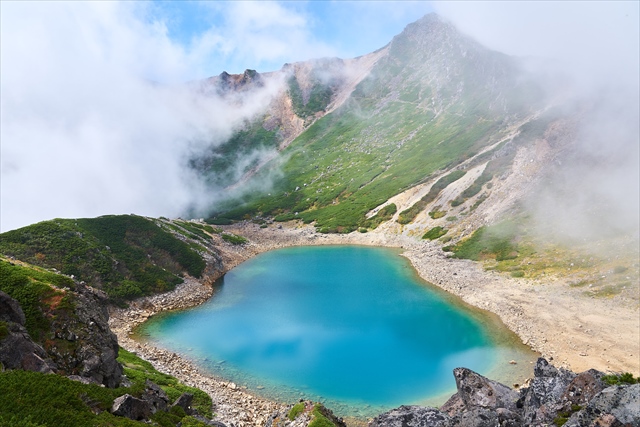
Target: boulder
542 400
84 344
554 395
617 406
155 397
184 401
412 416
131 407
10 310
476 391
17 349
486 417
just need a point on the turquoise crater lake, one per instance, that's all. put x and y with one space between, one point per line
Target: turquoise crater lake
352 326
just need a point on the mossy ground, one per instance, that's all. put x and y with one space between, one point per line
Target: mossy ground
52 400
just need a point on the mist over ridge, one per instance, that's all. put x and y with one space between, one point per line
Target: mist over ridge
132 144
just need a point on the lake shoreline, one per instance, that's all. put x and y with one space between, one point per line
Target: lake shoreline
561 324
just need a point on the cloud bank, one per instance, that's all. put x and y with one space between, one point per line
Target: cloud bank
589 51
96 118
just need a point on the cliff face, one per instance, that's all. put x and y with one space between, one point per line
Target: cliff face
64 331
83 344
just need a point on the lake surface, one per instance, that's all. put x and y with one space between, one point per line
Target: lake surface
354 327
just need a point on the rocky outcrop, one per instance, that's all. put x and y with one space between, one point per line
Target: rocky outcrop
72 336
131 407
614 406
17 349
184 401
82 342
411 416
155 397
554 396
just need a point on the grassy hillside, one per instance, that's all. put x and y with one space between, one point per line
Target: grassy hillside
127 256
435 100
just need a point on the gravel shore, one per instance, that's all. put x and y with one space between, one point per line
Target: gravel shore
561 323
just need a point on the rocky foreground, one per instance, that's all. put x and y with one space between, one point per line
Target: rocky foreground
554 396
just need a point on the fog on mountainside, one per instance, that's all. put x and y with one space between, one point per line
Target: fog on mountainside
586 56
328 141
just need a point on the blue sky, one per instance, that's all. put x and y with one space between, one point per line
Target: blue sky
309 29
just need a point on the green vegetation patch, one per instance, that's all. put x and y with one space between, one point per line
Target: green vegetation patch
410 214
219 165
434 233
437 214
296 410
496 242
126 255
234 239
384 214
621 379
38 299
54 400
319 418
318 99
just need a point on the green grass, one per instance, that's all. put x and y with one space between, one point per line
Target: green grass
495 242
218 166
139 370
296 410
620 379
34 399
334 173
319 419
126 255
384 214
437 214
234 239
410 214
434 233
32 289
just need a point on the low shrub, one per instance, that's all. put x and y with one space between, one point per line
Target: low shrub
435 233
234 239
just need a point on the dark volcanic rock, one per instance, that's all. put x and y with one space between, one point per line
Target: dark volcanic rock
184 401
412 416
78 342
555 395
486 417
155 397
131 407
614 406
17 349
543 399
84 345
478 391
10 310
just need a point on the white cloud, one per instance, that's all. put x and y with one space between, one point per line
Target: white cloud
595 188
592 40
85 131
259 35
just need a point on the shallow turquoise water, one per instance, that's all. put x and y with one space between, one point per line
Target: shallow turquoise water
351 326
